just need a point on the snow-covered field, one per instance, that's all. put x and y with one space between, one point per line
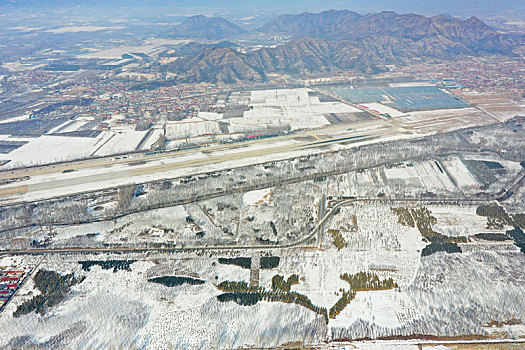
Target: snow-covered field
117 52
292 106
460 173
458 220
407 179
258 197
50 148
442 120
193 127
47 149
269 111
124 140
382 109
441 294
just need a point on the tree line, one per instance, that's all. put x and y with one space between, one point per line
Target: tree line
422 219
364 281
280 284
242 294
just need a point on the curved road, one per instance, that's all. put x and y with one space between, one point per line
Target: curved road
311 235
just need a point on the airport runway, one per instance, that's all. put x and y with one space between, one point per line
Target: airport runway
142 156
97 171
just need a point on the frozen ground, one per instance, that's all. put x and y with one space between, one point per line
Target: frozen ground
382 109
258 197
407 179
49 148
193 127
268 111
458 220
123 140
459 172
441 294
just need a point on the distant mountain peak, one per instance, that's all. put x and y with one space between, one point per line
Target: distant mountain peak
194 17
446 15
476 21
211 28
309 24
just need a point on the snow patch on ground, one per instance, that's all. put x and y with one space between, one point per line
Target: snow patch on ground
258 197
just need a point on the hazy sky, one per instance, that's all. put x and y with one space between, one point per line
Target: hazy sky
428 7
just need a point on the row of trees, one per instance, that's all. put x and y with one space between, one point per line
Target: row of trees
441 247
404 217
518 236
107 264
422 219
238 287
363 281
497 216
519 220
243 262
267 262
242 294
173 281
341 303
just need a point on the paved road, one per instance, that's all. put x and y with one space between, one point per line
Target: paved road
520 180
141 156
303 242
171 162
298 243
423 344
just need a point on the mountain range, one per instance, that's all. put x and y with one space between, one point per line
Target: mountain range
347 25
344 40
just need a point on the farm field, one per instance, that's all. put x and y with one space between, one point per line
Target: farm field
376 243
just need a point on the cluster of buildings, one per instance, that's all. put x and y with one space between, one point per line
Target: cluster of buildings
479 74
10 281
113 97
30 78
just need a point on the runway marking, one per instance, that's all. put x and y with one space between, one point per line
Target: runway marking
339 137
110 160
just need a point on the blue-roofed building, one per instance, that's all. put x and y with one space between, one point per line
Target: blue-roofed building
405 99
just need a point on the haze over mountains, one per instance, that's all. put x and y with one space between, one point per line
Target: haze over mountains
345 40
348 25
463 7
212 28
